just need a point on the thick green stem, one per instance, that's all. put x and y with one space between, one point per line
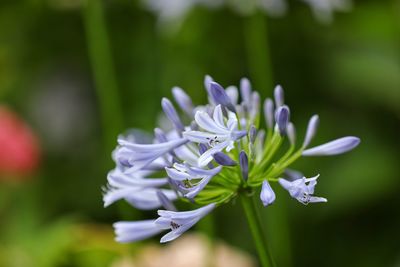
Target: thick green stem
103 72
256 229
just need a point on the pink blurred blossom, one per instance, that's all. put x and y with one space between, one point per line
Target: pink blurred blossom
19 147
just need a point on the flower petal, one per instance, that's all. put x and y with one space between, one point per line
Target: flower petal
282 116
175 174
171 113
206 157
223 159
220 96
218 116
279 96
135 231
204 121
244 165
245 90
291 133
334 147
311 130
202 137
183 100
269 112
233 94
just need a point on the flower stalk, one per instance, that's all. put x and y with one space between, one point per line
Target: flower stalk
257 231
103 72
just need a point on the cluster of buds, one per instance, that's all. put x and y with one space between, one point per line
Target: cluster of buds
211 154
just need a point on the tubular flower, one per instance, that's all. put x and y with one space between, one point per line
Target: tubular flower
302 189
214 153
138 191
217 134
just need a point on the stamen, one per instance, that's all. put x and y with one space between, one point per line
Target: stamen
187 184
213 141
174 225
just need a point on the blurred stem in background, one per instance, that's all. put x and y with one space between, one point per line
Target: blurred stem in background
261 73
255 225
103 72
258 52
105 83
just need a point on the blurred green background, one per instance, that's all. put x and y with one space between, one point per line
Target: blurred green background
80 72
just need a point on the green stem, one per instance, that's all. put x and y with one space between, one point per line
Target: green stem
103 72
256 229
258 53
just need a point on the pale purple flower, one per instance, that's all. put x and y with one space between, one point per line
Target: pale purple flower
180 222
118 178
267 195
191 158
140 198
302 189
217 134
335 147
137 156
137 190
191 180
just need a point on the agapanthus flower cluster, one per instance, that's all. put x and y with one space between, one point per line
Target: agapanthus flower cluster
213 153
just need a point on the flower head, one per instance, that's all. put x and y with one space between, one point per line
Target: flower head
221 152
